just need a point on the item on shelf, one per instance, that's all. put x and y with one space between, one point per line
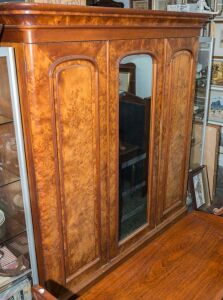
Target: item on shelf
10 265
67 2
2 224
20 291
198 71
199 7
108 3
19 244
202 6
8 153
140 4
11 198
18 202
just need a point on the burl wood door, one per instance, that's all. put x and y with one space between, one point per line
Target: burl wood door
134 110
66 139
176 126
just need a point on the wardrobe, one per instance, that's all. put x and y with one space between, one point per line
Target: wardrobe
106 99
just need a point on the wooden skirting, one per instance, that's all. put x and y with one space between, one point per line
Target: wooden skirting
185 262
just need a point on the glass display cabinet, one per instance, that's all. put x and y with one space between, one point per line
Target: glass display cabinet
17 251
201 102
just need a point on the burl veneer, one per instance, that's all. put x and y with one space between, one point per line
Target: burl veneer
68 59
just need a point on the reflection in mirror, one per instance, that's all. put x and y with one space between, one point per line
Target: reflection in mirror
135 84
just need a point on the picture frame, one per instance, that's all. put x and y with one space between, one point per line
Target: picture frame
159 4
218 45
215 5
199 187
219 8
217 72
124 80
140 4
127 73
215 114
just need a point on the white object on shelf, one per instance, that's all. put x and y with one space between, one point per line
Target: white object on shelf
2 217
22 290
202 6
199 7
2 224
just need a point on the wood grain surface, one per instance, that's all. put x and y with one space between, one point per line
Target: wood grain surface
176 127
64 126
5 109
183 263
22 20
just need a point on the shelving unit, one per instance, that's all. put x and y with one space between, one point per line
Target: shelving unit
201 103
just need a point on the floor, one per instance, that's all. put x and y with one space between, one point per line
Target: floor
184 263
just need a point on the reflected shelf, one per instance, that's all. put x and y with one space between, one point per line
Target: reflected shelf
13 228
5 120
7 282
7 177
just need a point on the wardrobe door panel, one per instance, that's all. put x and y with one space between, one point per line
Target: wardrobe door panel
77 132
135 97
67 116
176 130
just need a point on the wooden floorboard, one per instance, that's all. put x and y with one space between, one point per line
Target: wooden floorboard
185 262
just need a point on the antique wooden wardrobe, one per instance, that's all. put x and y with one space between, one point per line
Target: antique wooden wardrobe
67 62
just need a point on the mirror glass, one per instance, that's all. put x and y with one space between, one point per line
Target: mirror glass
135 85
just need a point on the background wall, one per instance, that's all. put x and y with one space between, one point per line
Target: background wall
143 64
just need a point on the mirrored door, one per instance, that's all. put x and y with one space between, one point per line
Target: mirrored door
135 83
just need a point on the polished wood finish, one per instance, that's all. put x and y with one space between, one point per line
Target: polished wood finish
185 262
25 18
68 59
5 110
71 177
176 129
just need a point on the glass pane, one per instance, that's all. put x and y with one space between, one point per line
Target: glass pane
201 81
135 81
13 236
11 203
9 167
5 100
